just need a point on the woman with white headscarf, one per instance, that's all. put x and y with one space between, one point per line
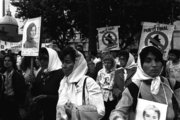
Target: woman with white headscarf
146 84
71 86
123 75
45 87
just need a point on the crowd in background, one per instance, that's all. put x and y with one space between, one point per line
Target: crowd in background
38 88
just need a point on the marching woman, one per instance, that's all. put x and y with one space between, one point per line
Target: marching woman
13 92
45 87
124 73
71 86
147 85
105 79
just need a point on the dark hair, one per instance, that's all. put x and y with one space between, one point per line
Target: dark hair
108 56
69 51
124 54
29 29
13 60
175 52
151 49
134 51
43 51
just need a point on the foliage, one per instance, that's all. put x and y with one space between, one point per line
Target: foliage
60 17
56 22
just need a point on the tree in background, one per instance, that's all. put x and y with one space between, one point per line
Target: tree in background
61 17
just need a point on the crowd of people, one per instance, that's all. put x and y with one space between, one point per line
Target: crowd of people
49 86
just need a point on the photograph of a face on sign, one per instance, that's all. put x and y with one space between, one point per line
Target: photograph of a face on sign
149 110
31 37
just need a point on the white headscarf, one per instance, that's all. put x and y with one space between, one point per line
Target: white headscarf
140 75
79 70
131 62
67 88
54 61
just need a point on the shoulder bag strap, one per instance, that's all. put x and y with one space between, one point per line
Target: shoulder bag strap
134 91
83 92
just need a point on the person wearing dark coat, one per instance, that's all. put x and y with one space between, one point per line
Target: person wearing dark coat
13 91
124 73
45 88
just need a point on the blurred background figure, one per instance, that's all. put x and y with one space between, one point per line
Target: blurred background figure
91 70
173 66
13 98
105 79
124 73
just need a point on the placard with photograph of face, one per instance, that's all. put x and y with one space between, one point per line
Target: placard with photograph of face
31 37
149 110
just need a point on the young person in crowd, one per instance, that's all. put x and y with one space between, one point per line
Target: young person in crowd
124 73
29 68
14 91
147 83
105 79
71 86
173 66
45 87
91 70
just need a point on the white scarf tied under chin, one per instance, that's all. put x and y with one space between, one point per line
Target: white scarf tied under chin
67 89
140 75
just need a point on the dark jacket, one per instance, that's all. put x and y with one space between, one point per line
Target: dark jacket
19 86
47 84
120 83
9 105
1 86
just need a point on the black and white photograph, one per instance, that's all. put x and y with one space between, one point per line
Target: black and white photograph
89 59
148 110
31 37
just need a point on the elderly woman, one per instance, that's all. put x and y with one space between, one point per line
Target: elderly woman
71 86
105 79
146 84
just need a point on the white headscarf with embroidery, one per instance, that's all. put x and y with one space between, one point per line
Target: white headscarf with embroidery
140 75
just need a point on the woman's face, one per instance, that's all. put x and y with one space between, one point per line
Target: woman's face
44 60
172 57
123 61
33 32
68 65
151 115
152 66
8 62
91 66
108 64
37 62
